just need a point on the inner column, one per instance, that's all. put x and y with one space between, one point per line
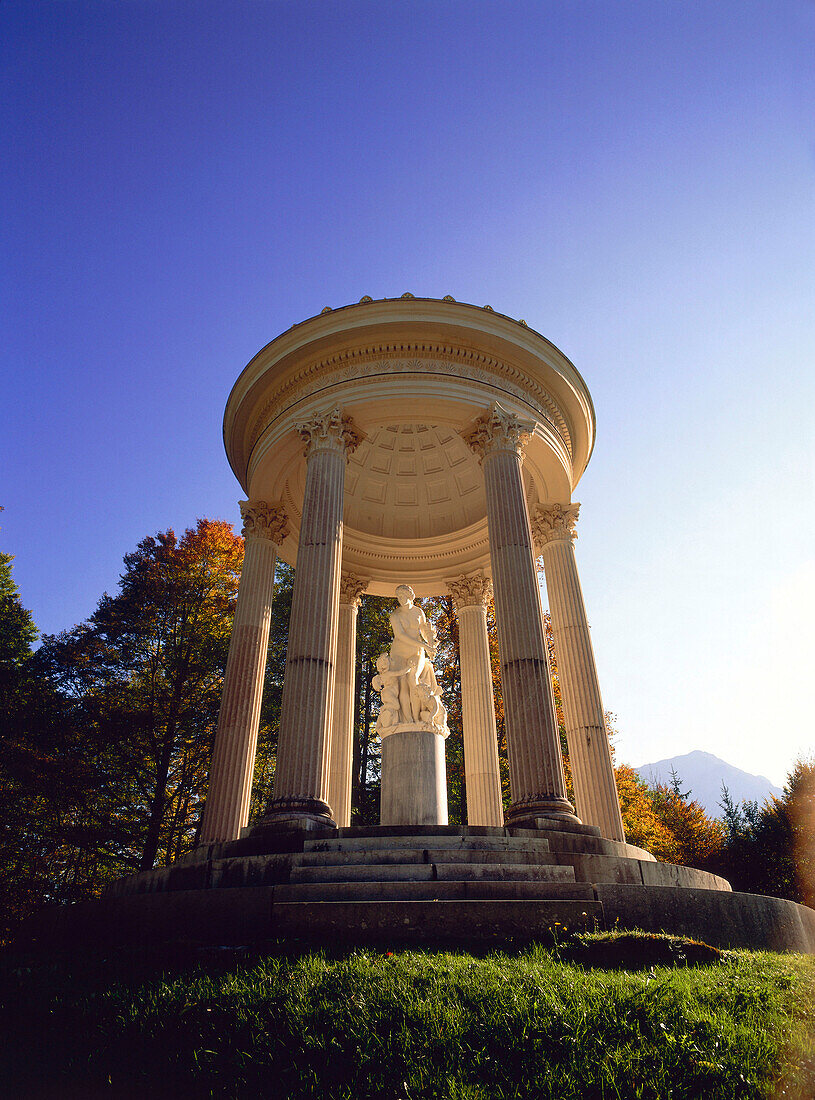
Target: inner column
482 772
342 720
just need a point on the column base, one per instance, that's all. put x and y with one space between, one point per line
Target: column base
300 815
527 814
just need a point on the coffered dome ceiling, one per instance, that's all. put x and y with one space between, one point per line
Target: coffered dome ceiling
413 481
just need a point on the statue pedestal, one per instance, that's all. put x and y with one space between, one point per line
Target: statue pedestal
414 777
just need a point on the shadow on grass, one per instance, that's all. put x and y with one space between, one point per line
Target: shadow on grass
381 1023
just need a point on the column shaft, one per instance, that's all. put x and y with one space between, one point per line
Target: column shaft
303 750
592 771
302 754
533 741
484 801
233 759
342 719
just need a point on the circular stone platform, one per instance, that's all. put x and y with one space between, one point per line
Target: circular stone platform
431 885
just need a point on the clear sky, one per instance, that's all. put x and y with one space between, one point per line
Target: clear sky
181 181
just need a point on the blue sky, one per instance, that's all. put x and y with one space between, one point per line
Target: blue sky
184 180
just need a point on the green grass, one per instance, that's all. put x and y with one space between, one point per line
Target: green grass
413 1024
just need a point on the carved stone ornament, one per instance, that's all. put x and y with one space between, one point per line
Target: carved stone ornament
352 589
444 359
264 521
498 430
406 682
470 591
553 522
329 431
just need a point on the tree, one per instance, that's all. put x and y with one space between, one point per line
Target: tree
642 824
799 798
23 697
769 850
145 675
17 630
696 839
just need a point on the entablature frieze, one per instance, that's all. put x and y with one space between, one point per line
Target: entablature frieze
425 359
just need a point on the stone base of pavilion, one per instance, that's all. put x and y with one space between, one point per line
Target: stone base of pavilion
431 885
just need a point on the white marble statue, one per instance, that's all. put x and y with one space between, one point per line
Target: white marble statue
405 678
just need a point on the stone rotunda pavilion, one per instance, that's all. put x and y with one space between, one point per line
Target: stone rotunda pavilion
428 443
434 444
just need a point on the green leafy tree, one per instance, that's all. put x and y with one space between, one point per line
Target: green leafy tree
770 850
21 696
145 675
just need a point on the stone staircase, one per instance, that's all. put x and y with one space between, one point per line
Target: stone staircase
454 868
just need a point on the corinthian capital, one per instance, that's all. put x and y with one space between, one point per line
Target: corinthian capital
264 521
352 589
553 522
470 591
498 430
329 431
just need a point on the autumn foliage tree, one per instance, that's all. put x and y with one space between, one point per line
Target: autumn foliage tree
110 759
146 671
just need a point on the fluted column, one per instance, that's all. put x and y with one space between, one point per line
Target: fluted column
595 790
301 773
342 719
533 743
483 776
233 758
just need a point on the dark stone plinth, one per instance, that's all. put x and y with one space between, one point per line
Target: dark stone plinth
421 884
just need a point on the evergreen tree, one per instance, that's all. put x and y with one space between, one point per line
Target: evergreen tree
17 630
769 850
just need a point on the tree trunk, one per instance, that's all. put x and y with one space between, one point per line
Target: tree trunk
157 803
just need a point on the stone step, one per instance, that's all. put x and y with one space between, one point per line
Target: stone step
547 824
433 891
423 855
391 922
437 841
430 872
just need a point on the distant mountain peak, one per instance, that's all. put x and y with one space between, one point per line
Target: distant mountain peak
703 774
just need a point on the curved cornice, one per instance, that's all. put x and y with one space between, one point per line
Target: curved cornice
395 332
388 360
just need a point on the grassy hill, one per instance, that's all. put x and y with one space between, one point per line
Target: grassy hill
357 1024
